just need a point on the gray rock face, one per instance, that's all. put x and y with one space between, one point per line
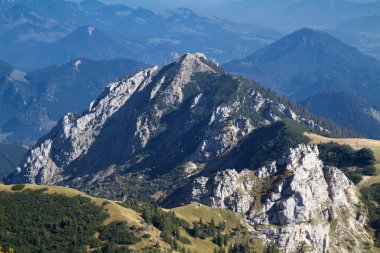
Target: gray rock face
226 189
223 133
74 135
120 124
306 204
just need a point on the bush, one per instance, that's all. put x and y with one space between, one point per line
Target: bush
354 177
18 187
95 243
146 236
118 233
167 222
342 156
184 240
364 157
368 171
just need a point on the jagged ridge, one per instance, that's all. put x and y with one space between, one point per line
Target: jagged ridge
157 121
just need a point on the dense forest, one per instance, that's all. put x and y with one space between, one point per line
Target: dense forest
10 156
33 221
354 163
347 110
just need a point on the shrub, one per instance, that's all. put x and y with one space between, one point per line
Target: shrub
18 187
118 232
368 171
371 198
364 157
184 240
342 156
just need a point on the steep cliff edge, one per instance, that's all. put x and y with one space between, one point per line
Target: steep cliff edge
295 201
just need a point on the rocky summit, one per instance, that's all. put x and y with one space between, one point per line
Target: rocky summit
191 132
179 118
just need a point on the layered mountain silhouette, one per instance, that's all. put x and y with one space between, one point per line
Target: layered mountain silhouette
84 42
308 62
36 34
346 110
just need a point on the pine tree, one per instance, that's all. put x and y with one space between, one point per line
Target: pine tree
271 248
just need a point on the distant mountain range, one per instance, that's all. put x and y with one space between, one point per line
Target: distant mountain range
355 22
347 110
39 33
362 32
307 63
31 103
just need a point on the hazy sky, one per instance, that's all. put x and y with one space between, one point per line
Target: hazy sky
196 2
275 13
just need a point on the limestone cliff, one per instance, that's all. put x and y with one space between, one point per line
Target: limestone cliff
295 201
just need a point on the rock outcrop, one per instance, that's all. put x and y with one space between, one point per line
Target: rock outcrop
74 135
295 201
186 100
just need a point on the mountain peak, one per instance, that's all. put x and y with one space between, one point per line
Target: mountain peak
303 41
145 109
306 48
191 63
306 34
191 57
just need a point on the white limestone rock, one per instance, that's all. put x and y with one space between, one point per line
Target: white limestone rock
226 189
309 203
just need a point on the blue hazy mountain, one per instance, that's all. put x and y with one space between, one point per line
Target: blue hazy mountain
56 30
362 32
30 103
307 62
348 20
346 109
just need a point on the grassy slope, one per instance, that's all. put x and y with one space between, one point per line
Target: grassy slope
194 211
190 213
355 143
117 212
